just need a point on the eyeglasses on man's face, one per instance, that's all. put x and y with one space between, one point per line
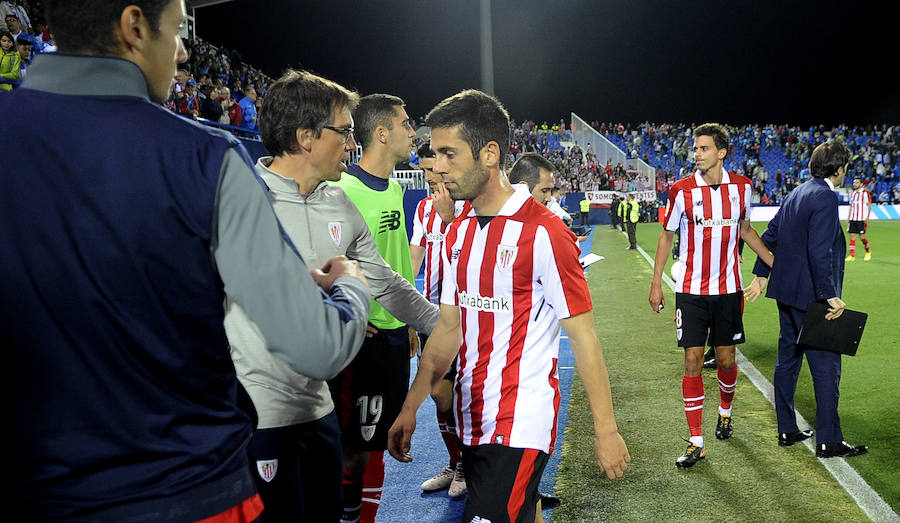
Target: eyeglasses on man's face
346 132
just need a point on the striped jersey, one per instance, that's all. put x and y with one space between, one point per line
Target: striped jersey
860 200
428 232
708 219
513 279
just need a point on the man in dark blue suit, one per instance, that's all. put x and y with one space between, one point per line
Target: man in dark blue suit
809 266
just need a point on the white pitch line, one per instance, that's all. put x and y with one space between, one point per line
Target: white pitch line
865 497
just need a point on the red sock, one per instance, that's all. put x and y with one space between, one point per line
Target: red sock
692 389
352 493
447 426
852 247
727 383
866 243
373 482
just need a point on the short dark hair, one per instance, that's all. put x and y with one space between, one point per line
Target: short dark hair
88 26
528 169
425 151
24 41
718 132
481 119
299 100
827 158
374 110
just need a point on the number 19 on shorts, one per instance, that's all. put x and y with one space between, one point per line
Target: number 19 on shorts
369 407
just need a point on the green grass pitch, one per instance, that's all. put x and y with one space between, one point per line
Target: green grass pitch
746 478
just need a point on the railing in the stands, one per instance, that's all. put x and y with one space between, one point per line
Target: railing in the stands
240 132
605 150
410 179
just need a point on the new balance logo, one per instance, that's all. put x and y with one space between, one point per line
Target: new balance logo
390 221
479 519
737 336
484 303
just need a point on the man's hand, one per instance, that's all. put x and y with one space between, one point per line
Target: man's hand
443 203
612 454
335 268
835 309
657 300
371 331
755 289
400 435
413 342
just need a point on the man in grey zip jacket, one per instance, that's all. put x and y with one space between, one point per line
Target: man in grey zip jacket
295 454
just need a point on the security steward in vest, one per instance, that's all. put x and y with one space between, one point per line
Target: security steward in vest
585 207
630 212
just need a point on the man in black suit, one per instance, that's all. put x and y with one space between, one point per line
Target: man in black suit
809 266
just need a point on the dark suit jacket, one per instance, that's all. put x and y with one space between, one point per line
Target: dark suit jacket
809 247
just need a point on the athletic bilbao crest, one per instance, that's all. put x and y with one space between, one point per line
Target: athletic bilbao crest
334 229
506 256
267 469
367 431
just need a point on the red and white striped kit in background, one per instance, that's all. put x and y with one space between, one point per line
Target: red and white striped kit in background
428 232
513 280
709 222
860 200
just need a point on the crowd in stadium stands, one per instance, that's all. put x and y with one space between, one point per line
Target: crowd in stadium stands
23 34
775 157
216 85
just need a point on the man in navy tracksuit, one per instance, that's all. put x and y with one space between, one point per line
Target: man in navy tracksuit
124 228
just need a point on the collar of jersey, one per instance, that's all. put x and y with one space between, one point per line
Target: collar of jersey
701 182
282 186
515 201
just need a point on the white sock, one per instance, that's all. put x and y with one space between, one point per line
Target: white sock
724 412
697 440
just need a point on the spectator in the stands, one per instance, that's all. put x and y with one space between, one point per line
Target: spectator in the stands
9 9
189 104
9 61
248 108
210 106
232 108
181 78
6 8
23 48
237 90
225 101
15 29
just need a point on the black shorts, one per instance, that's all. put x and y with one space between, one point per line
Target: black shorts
856 227
297 470
502 483
451 373
714 321
368 394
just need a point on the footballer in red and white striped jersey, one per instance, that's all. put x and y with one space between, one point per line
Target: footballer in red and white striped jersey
428 232
708 219
860 203
513 276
